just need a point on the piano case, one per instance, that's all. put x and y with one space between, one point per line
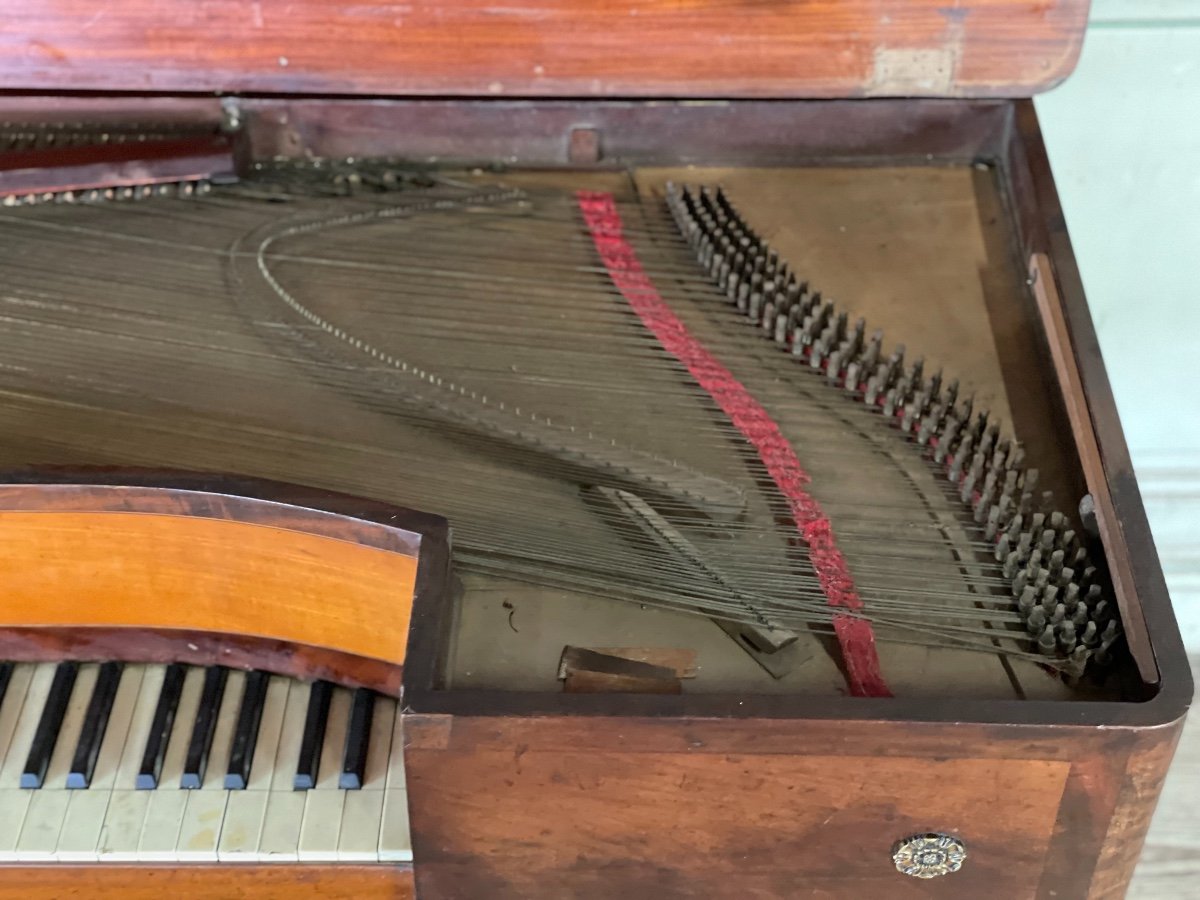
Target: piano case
889 150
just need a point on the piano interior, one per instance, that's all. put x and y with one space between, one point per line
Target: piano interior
467 342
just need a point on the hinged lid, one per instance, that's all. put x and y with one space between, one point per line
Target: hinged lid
642 48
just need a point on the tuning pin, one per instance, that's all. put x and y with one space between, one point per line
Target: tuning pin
1078 661
1046 544
1003 554
853 374
1023 544
1036 622
1027 602
833 367
1014 527
1081 616
889 403
1047 642
1020 581
1056 563
1066 636
1050 596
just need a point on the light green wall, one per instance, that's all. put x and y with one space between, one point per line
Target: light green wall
1124 140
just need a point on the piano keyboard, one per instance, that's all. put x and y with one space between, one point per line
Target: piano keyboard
147 763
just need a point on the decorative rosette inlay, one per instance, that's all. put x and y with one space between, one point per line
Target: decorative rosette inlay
929 855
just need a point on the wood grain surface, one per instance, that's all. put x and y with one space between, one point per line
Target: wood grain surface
1169 867
595 807
229 882
700 48
138 573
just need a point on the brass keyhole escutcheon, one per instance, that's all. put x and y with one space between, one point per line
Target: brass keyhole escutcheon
929 855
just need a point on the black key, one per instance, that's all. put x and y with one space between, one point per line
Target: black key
202 730
160 729
6 671
245 734
358 736
313 738
49 725
95 722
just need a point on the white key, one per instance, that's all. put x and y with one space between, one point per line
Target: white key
160 827
222 742
323 804
280 838
72 724
87 812
42 825
122 828
14 802
164 813
358 837
395 841
335 740
270 732
117 732
244 813
80 835
363 809
181 730
379 748
200 830
139 729
246 810
395 775
22 736
291 733
322 824
14 699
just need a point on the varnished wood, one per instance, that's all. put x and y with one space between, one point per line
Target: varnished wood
1041 278
746 795
157 574
1169 865
589 48
228 882
763 808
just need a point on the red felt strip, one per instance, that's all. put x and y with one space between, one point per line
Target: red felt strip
854 634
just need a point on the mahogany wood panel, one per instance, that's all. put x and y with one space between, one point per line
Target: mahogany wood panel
700 48
201 882
687 808
143 573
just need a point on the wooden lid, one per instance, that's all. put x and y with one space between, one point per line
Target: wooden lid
642 48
